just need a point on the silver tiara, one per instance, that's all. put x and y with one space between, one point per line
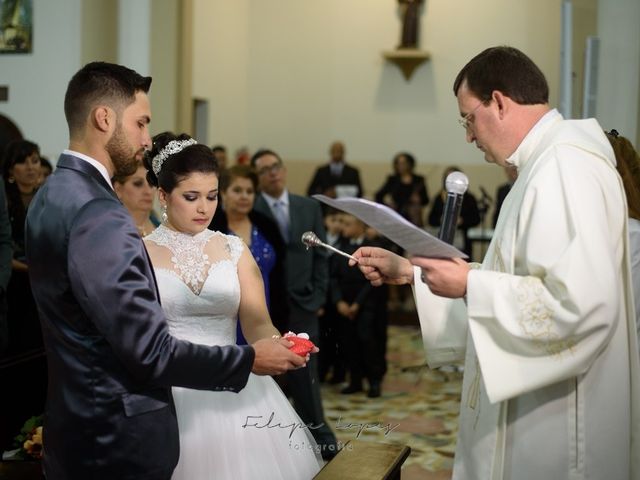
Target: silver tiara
174 146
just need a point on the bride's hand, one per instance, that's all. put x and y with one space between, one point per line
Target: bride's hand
273 357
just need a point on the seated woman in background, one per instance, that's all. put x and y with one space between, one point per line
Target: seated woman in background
404 191
469 213
628 166
21 172
46 169
238 186
137 195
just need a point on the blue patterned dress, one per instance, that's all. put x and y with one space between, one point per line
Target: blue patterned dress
265 256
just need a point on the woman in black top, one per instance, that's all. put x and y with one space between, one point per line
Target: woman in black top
21 173
469 213
404 191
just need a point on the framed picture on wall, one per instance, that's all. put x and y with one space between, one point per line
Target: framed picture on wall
16 26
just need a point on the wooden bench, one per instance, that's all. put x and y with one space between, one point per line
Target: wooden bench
359 460
16 470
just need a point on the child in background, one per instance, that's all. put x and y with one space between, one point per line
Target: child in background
331 358
333 226
362 313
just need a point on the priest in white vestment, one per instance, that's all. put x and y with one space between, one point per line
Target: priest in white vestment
545 326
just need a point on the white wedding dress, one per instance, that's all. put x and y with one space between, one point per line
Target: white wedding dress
253 434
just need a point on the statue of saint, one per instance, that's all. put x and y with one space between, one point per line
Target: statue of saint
409 38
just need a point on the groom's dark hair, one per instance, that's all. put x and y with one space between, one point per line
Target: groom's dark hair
100 83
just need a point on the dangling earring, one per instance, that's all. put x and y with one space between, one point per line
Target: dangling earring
165 217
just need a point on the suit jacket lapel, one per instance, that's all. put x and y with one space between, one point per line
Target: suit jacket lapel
85 168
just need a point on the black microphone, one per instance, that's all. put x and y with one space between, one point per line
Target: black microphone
456 185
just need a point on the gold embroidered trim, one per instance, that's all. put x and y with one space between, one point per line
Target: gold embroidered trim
536 319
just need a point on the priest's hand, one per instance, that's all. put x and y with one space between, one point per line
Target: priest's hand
445 277
382 266
273 357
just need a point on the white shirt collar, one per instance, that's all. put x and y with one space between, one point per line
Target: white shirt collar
357 241
100 167
523 153
284 198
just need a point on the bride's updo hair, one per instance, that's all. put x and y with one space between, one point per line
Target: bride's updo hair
173 158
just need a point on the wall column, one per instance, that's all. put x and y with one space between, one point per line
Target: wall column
618 88
134 35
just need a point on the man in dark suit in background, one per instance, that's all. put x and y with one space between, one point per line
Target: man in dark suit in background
220 153
111 358
307 280
337 179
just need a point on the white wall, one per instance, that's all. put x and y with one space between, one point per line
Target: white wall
37 81
67 34
220 56
296 75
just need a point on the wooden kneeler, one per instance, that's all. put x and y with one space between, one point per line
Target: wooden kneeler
360 460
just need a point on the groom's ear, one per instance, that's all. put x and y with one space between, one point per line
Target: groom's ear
103 118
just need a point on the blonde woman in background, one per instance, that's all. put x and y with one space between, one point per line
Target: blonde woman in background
137 195
628 166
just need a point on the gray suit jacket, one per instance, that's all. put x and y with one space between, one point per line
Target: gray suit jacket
306 271
111 358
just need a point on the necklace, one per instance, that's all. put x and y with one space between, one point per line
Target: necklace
142 230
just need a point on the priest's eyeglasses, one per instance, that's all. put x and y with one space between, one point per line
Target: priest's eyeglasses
465 121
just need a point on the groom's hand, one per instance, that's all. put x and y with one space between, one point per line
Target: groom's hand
273 357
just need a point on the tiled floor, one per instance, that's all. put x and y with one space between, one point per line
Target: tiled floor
418 408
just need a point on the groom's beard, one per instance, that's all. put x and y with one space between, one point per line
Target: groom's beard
125 158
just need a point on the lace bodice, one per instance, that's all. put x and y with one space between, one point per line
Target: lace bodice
198 282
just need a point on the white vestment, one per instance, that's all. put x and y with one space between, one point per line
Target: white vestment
551 385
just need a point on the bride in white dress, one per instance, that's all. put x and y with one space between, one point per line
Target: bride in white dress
206 281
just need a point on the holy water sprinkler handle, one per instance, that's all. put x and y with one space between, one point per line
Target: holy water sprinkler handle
310 239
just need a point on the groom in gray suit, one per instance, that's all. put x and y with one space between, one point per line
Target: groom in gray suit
307 279
111 358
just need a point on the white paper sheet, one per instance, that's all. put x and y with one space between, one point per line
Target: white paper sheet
396 228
